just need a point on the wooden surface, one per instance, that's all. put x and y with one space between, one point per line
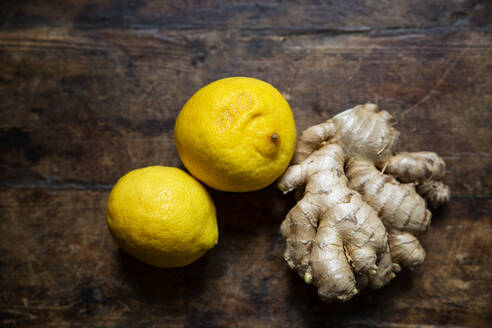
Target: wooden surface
90 90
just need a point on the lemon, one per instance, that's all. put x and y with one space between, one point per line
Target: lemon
236 134
162 216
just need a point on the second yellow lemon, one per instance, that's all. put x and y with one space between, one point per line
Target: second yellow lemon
162 216
236 134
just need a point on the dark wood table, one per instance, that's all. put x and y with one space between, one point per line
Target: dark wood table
90 90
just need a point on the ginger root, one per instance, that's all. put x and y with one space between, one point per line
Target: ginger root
357 222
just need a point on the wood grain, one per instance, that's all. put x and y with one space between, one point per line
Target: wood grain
76 101
64 268
91 90
305 16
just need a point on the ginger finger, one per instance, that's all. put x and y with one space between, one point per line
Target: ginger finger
385 270
415 167
312 139
330 270
406 249
423 168
398 205
295 176
435 192
299 229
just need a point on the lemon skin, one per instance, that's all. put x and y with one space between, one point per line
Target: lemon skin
162 216
236 134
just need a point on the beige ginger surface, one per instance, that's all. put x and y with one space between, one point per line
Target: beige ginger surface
361 211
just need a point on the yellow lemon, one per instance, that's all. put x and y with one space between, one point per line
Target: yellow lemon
162 216
236 134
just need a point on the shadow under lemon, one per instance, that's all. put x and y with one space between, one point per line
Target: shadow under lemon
246 221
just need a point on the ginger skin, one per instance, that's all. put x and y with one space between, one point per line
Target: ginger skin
357 221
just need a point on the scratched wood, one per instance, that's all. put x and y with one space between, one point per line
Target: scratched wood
90 90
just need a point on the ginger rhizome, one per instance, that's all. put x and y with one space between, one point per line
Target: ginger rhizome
362 208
